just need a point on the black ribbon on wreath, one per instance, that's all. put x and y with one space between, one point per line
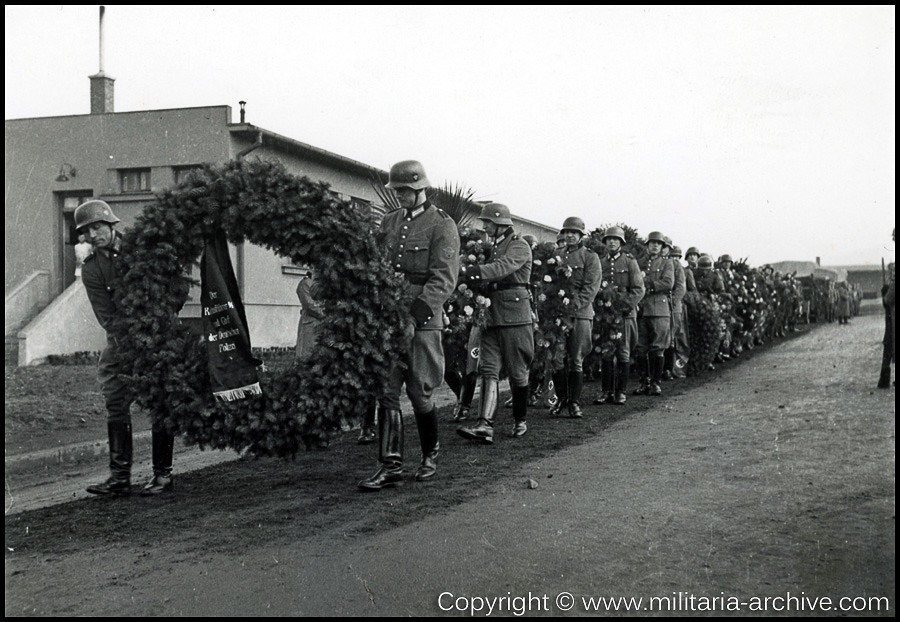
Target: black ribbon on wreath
232 367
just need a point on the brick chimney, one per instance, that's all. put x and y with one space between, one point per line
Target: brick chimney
102 94
102 91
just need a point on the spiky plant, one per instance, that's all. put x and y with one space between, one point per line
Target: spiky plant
457 201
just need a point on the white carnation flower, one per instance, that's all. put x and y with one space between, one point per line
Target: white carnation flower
468 310
548 278
537 262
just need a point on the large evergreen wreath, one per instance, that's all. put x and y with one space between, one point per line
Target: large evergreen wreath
363 300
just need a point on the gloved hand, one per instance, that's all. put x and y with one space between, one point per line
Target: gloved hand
473 274
421 312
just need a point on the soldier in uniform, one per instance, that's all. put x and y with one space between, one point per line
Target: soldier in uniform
677 356
99 274
507 341
582 288
310 314
888 301
708 281
692 256
622 269
654 325
689 284
307 334
422 244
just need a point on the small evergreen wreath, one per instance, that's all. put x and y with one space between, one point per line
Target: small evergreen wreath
364 302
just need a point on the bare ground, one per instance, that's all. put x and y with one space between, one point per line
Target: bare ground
773 475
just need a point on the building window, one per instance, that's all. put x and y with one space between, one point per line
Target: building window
182 172
134 180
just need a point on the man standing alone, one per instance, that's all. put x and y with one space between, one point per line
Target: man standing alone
99 274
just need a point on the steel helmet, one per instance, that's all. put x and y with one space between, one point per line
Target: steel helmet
573 223
705 261
726 258
614 232
93 211
693 251
675 252
408 174
496 213
532 241
656 236
668 241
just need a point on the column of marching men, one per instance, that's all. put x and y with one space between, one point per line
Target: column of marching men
542 315
545 316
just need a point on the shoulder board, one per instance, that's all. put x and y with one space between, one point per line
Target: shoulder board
629 255
89 257
442 213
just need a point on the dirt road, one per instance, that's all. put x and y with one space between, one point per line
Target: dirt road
771 479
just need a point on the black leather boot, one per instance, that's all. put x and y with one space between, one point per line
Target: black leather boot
390 451
607 382
560 386
120 454
520 410
163 447
884 380
367 431
464 405
643 368
428 437
454 380
484 429
668 364
621 381
576 382
657 361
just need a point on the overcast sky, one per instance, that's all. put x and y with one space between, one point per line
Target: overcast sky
767 133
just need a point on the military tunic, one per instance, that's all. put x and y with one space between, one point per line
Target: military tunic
582 288
654 325
679 313
623 270
689 284
99 274
310 314
422 244
508 337
709 282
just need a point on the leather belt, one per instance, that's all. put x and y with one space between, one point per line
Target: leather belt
499 286
416 279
